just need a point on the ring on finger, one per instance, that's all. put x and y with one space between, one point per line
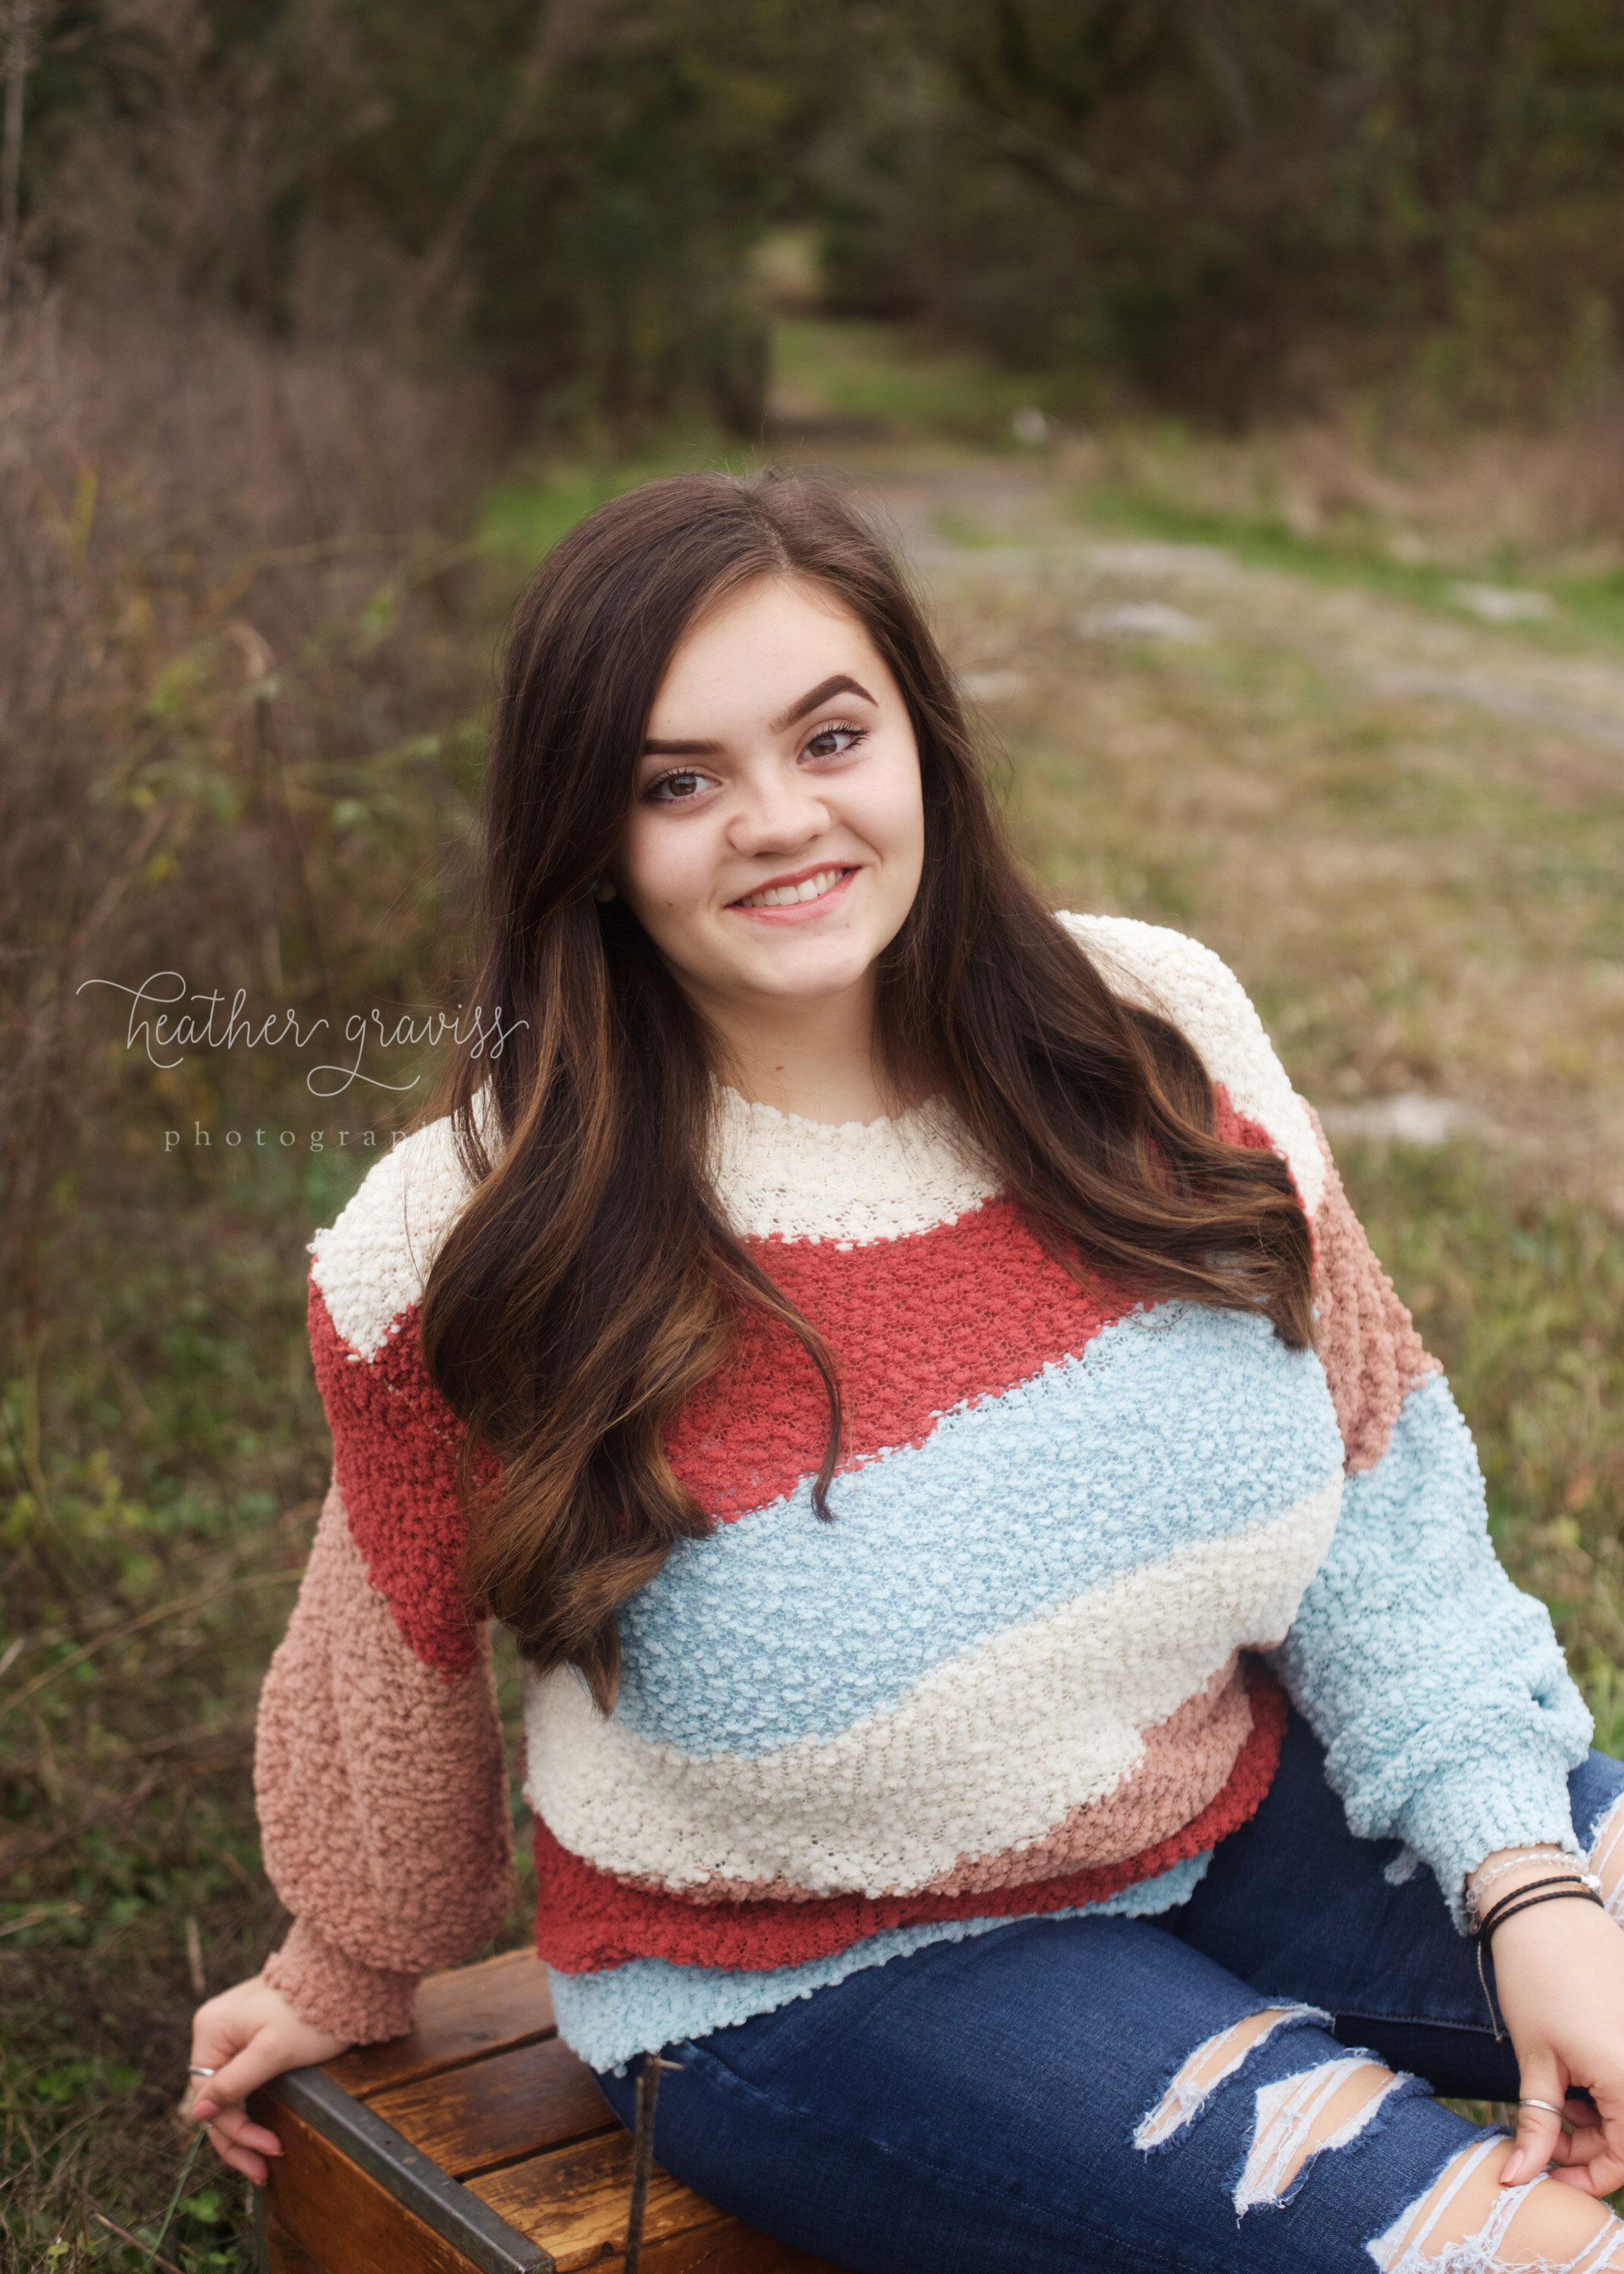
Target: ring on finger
1549 2106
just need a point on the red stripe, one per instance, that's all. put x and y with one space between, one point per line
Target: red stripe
395 1444
586 1920
918 1325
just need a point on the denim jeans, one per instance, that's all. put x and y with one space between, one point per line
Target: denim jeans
1008 2104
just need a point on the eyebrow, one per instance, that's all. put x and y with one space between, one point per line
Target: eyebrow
842 684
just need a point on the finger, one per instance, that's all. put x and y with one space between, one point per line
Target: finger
1539 2129
260 2060
216 2040
236 2126
239 2159
1584 2142
1604 2175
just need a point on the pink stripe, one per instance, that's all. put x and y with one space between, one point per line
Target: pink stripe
360 1746
1371 1354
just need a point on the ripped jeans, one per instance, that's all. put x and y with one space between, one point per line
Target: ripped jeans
1105 2095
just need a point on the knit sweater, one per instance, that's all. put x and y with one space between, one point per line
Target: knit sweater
1083 1547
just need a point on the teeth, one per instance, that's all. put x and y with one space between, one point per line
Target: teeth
788 896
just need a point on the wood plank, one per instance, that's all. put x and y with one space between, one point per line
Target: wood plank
574 2201
375 2151
282 2252
325 2213
498 2110
462 2013
728 2248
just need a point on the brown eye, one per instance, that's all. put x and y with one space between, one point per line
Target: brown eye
834 742
674 789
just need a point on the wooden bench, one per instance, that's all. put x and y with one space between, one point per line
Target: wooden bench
478 2142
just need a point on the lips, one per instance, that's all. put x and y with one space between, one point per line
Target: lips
794 892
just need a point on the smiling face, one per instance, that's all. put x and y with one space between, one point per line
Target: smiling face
777 838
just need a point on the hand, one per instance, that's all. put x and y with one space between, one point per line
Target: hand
1559 1971
248 2035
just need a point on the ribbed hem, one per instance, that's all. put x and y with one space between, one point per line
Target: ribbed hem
332 1992
1453 1824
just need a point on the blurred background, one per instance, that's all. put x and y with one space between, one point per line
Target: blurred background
1245 380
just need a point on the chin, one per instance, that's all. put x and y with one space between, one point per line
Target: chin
811 980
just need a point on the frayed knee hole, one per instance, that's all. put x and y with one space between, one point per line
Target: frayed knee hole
1214 2060
1301 2117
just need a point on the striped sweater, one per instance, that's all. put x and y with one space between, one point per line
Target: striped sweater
1083 1549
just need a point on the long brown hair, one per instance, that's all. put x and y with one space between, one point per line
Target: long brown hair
591 1282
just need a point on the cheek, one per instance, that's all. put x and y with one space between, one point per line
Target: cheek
893 820
661 867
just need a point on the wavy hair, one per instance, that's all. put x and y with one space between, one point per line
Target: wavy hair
591 1282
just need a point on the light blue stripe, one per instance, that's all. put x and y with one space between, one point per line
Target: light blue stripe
1175 1428
1437 1687
610 2017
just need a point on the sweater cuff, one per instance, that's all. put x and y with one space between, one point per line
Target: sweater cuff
1453 1827
332 1992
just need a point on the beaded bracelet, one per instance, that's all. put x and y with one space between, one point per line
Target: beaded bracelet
1483 1880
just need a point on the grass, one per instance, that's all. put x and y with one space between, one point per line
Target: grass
1419 894
1521 1293
1357 550
521 520
852 372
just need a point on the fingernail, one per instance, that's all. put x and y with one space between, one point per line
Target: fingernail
1514 2166
204 2111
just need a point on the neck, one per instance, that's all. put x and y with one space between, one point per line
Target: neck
817 1059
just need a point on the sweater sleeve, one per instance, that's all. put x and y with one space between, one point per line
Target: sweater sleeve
1437 1687
379 1769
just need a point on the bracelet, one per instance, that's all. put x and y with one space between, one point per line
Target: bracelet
1520 1861
1524 1899
1485 1926
1563 1883
1556 1856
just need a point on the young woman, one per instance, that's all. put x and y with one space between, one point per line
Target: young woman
1022 1708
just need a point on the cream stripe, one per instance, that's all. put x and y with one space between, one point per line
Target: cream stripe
1165 971
370 1265
989 1751
779 1175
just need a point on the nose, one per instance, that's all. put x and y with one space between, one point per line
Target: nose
781 808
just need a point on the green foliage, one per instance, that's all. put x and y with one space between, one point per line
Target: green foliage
569 190
1203 204
1226 207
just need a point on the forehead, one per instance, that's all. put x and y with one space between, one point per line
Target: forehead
758 648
